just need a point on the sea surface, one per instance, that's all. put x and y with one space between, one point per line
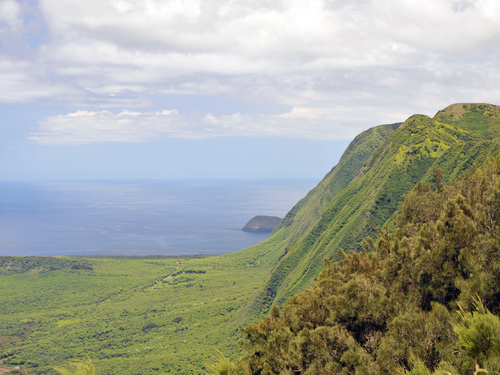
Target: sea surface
167 217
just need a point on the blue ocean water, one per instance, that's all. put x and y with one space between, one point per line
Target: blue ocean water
168 217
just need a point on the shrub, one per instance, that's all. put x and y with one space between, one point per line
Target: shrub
77 367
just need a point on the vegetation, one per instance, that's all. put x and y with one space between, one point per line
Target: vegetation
127 314
365 189
16 265
423 297
79 367
221 365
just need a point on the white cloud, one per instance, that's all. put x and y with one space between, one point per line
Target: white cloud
291 35
85 127
21 81
380 60
10 16
115 44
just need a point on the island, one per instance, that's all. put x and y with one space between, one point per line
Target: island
262 223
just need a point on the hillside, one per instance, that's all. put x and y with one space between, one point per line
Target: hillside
421 299
366 187
309 209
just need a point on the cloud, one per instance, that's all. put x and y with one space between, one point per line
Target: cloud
85 127
118 42
10 16
22 81
377 60
243 37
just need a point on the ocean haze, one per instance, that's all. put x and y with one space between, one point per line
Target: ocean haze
161 217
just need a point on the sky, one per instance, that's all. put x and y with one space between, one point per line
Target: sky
131 89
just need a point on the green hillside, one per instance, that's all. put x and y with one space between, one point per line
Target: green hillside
341 213
421 299
309 209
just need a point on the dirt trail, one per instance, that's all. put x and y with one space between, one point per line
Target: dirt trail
5 368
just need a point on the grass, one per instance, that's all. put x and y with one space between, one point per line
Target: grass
65 322
126 315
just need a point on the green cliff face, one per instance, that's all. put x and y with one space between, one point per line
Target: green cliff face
309 209
365 188
423 298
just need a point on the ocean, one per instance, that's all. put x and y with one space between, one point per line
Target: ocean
166 217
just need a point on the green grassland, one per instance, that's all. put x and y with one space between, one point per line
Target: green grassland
131 316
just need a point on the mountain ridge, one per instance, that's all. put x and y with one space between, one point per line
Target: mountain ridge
456 139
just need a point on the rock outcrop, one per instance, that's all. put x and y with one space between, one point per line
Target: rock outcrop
262 223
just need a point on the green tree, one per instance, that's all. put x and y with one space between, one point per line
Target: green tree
393 307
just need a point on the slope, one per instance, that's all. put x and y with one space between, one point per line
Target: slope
423 299
309 209
456 139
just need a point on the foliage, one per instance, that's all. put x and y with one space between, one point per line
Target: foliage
221 366
479 337
15 265
123 313
376 172
393 307
78 367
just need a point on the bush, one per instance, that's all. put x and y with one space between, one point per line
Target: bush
149 326
77 367
479 337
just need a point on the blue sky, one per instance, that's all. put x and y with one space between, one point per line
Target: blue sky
226 88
